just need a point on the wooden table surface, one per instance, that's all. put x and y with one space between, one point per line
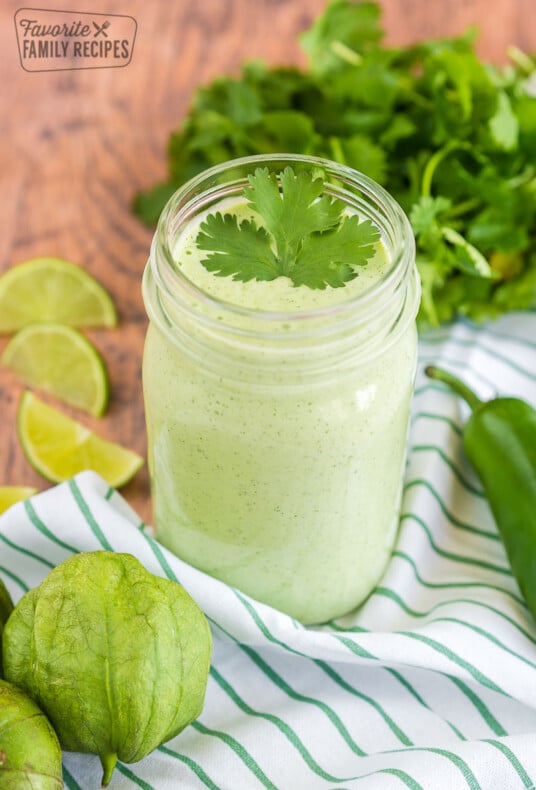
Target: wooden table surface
77 145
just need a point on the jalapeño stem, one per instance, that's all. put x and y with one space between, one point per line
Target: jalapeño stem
454 383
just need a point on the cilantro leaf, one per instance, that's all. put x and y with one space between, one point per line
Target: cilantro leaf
360 153
355 26
283 130
294 212
494 230
329 258
424 213
149 204
504 126
304 234
469 259
242 249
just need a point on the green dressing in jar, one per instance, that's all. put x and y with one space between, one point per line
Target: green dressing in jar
277 414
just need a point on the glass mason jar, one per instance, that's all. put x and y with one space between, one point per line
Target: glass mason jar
277 438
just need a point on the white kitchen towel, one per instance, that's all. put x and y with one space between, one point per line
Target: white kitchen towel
430 685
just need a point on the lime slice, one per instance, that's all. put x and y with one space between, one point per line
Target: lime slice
59 447
58 359
51 289
9 495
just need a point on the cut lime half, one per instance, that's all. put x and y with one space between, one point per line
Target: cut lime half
9 495
59 447
59 360
52 289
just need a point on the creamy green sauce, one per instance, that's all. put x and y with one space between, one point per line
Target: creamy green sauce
288 491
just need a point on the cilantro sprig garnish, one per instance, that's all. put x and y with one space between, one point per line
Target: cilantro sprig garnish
302 234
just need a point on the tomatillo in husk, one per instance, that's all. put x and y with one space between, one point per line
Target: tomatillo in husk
116 657
30 754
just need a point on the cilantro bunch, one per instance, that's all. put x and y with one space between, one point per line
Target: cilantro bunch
451 138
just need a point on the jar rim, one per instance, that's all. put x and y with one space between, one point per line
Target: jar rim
172 280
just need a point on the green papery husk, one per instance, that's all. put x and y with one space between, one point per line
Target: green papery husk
30 754
118 658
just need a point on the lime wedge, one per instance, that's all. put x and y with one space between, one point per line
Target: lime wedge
59 447
58 359
52 289
9 495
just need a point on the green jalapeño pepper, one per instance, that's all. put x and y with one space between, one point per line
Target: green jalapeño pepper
500 441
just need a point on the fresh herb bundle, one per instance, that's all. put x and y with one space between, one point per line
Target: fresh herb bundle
451 138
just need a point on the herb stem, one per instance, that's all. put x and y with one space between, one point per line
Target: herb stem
463 208
523 178
521 59
346 53
336 150
434 161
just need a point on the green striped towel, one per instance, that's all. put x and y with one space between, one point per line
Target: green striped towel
430 685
